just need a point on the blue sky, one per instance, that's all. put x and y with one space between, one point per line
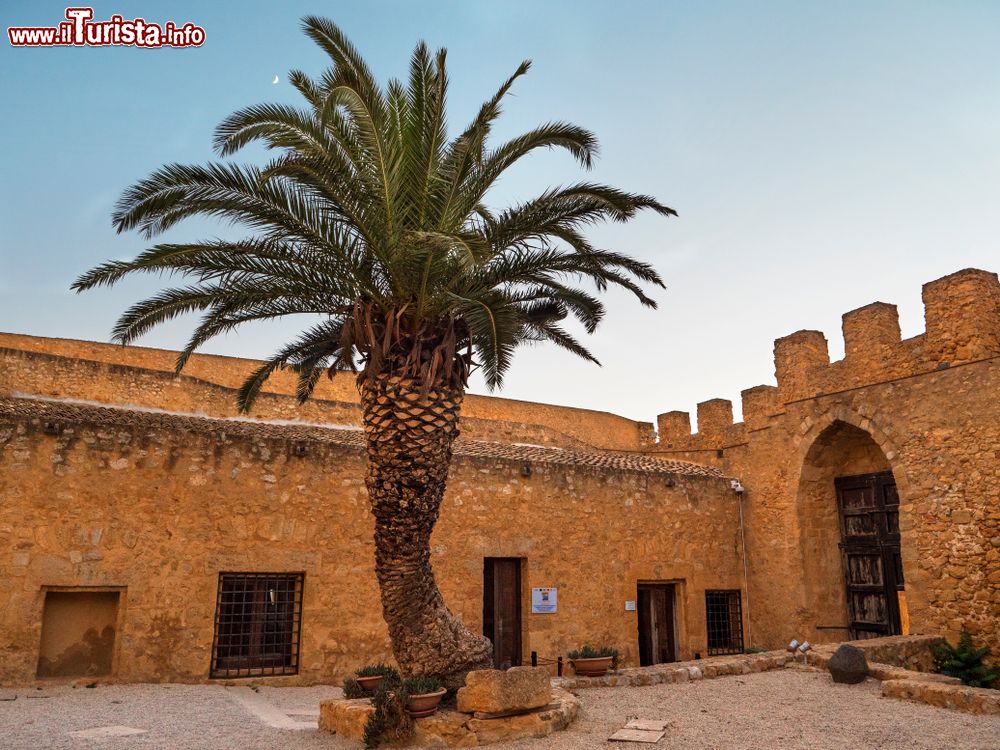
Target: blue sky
821 156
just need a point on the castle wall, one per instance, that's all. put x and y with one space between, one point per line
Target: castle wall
140 376
155 506
929 408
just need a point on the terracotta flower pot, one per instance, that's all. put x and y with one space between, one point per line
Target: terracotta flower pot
596 667
425 704
370 684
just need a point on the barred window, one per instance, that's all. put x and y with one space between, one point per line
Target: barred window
724 614
257 624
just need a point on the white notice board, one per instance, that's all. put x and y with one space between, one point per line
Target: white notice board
543 601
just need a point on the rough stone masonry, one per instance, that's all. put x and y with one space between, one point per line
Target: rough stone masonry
120 479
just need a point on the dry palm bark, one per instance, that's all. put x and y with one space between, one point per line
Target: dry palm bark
409 432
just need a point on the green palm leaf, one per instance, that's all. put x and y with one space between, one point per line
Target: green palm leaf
374 218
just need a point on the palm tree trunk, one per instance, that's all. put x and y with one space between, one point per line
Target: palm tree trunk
409 436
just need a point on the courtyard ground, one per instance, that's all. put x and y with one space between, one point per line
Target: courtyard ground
768 711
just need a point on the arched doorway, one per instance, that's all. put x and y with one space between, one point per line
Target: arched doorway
848 510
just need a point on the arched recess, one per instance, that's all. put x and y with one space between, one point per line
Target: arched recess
839 449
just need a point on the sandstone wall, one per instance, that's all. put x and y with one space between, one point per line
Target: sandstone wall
194 502
928 408
141 376
160 504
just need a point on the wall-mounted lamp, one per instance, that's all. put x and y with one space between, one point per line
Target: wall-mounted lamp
670 481
526 470
736 485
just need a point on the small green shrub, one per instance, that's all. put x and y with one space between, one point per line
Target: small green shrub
964 661
755 650
379 670
590 652
422 685
353 690
389 721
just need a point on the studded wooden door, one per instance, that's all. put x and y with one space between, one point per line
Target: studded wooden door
873 571
502 609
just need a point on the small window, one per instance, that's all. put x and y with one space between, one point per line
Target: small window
257 624
724 614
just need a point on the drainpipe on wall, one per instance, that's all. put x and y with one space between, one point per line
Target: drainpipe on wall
738 489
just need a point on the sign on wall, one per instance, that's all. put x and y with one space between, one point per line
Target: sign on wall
543 601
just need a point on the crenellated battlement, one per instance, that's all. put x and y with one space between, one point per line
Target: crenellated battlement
759 403
962 325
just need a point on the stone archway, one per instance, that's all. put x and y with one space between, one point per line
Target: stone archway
838 449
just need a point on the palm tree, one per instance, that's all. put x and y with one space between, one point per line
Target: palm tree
372 219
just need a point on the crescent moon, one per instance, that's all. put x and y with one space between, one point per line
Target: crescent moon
275 81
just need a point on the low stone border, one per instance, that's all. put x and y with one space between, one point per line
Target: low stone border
908 684
449 728
897 680
911 653
685 671
959 697
883 672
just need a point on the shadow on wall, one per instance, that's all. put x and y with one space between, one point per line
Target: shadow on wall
78 633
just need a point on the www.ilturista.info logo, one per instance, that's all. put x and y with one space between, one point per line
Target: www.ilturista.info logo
79 30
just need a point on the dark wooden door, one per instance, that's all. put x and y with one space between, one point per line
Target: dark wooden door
873 571
502 609
655 602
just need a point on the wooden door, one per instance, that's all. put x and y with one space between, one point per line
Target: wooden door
873 571
502 609
655 602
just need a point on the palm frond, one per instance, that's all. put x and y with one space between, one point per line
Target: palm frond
371 216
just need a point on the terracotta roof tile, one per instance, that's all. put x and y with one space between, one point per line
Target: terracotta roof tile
16 409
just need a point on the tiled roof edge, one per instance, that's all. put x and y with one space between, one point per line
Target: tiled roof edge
28 408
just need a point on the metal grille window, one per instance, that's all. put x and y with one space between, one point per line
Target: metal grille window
724 613
257 624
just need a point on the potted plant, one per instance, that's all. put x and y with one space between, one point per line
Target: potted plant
588 661
370 677
423 694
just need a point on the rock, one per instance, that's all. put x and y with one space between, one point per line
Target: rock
494 691
535 724
345 717
448 728
848 665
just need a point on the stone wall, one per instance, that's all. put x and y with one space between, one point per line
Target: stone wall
105 373
927 408
156 505
84 495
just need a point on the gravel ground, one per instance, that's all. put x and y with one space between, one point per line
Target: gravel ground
785 709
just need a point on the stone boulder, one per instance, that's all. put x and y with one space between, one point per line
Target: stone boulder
493 691
848 665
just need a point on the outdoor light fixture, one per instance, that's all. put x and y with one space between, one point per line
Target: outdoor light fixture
803 649
736 485
526 470
793 645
